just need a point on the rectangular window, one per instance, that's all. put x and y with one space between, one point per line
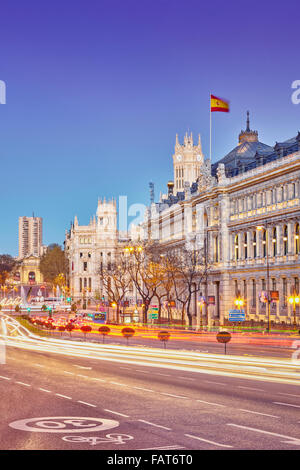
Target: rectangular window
85 265
284 290
253 293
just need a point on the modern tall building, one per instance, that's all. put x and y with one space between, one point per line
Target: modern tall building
30 236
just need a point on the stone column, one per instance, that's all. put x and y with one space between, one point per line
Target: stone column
259 243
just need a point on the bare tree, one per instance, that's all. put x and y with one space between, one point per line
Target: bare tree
116 281
145 272
190 273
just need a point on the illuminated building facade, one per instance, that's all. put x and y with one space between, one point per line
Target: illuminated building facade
246 208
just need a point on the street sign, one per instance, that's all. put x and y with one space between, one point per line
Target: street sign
236 315
153 312
223 337
163 335
211 300
100 317
274 294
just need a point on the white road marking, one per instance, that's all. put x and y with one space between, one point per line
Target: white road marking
251 388
82 367
117 383
100 380
153 424
165 375
22 383
257 413
83 376
38 365
185 378
210 403
85 403
174 447
288 394
64 424
126 368
117 413
289 439
216 383
63 396
44 390
286 404
5 378
144 389
209 442
67 372
171 395
143 371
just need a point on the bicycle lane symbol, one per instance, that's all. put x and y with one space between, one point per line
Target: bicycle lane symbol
71 424
93 441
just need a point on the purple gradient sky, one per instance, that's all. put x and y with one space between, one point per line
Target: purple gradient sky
97 90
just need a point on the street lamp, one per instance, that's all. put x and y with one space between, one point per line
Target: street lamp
294 300
266 242
239 302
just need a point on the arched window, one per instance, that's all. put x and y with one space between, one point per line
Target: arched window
297 239
285 240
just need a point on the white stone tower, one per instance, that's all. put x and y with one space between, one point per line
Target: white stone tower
107 219
187 161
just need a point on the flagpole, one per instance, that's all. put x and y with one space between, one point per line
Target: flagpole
210 126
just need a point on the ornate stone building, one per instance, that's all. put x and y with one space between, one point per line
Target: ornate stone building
89 246
246 208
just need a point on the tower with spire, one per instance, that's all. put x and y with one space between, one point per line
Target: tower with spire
187 161
248 135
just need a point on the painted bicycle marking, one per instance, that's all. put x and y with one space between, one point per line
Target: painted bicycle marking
63 424
93 441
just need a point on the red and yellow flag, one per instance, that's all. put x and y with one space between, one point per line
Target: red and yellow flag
218 104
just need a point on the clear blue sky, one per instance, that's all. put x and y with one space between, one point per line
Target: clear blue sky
97 90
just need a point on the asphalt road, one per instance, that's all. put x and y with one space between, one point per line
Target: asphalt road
82 403
247 346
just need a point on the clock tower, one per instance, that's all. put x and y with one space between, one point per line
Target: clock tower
187 162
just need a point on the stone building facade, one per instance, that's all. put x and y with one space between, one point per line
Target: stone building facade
89 246
244 210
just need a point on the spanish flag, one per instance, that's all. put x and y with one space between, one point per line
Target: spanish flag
218 104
